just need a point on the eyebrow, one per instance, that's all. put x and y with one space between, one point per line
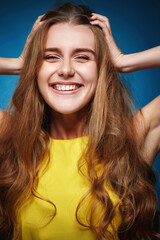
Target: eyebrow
77 50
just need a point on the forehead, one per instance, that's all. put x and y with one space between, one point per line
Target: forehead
70 35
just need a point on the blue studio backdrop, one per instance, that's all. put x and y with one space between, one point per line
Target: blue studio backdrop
135 26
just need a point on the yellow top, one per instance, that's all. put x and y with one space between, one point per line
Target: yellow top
62 184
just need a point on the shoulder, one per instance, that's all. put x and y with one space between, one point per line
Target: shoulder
147 122
4 120
3 115
151 113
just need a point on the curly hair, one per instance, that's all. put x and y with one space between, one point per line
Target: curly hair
112 155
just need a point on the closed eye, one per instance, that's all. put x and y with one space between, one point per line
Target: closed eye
82 58
51 57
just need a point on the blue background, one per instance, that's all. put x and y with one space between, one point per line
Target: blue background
135 26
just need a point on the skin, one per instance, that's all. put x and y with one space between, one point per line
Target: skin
147 121
13 66
69 60
130 62
148 125
124 63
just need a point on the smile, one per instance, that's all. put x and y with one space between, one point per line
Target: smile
60 87
68 88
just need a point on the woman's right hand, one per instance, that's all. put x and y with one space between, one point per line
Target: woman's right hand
36 25
13 66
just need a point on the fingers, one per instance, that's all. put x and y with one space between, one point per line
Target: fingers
37 23
102 21
98 16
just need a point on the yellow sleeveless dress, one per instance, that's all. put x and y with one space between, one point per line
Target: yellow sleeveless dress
62 184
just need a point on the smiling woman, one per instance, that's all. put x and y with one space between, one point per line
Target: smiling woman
75 161
68 75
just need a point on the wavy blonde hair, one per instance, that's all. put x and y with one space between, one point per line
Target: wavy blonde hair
112 145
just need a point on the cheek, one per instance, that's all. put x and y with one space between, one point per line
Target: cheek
88 72
40 74
41 80
45 71
93 78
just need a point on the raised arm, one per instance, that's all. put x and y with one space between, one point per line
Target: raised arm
148 129
147 119
137 61
10 66
129 62
13 66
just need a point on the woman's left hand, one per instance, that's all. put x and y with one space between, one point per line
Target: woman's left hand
115 53
126 62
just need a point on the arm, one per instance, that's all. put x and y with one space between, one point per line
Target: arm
3 118
147 122
2 113
142 60
129 62
14 65
10 65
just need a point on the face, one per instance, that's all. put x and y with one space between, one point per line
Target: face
67 78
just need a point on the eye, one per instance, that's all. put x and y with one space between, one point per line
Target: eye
52 58
82 58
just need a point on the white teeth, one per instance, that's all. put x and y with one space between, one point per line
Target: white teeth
65 87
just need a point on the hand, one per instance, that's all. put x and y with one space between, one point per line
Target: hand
115 53
14 65
102 21
36 25
129 62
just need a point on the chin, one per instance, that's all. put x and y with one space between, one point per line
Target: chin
68 111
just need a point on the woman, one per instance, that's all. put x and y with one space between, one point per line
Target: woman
75 162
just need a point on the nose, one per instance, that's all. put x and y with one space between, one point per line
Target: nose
66 69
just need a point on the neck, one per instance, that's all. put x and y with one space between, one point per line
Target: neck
66 126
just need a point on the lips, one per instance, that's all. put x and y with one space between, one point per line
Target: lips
67 87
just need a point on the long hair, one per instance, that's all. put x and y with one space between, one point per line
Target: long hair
112 155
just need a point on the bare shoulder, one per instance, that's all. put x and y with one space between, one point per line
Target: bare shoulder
147 122
151 113
4 120
3 115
